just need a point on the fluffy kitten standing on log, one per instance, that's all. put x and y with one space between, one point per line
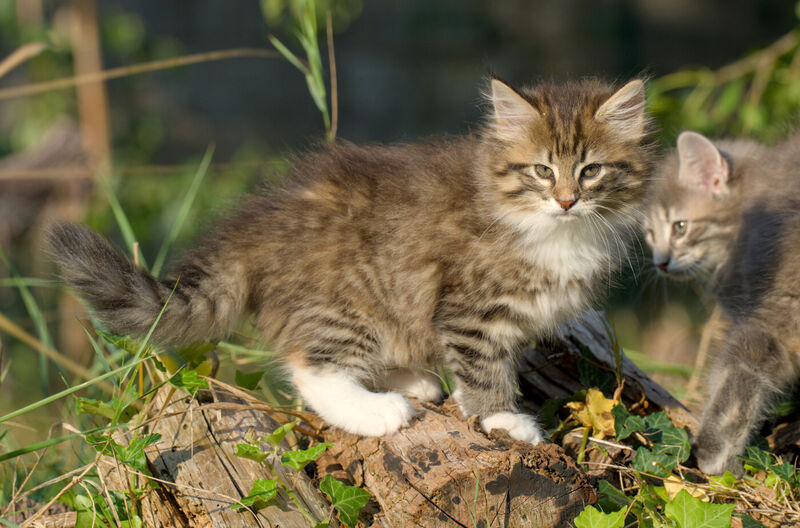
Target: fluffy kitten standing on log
370 264
728 212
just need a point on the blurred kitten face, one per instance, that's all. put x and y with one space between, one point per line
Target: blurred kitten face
688 225
569 152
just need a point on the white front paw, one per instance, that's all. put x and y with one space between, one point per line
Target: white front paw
519 426
380 414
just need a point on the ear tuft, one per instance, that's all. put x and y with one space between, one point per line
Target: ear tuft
512 113
624 111
702 166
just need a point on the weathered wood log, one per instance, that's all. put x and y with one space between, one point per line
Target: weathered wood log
440 470
201 478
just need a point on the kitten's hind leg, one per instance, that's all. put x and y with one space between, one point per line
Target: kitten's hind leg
751 370
419 384
341 400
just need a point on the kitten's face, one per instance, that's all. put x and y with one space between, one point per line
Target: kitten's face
569 153
688 225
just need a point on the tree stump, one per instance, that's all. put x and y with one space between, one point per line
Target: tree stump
441 470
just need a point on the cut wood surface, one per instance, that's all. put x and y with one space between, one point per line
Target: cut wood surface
442 470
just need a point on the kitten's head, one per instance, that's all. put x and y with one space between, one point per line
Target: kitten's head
572 153
693 214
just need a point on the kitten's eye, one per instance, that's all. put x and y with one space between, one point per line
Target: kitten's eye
679 228
543 171
590 171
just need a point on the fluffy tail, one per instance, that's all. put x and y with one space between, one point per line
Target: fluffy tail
203 301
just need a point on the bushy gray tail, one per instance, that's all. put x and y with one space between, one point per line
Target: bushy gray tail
201 302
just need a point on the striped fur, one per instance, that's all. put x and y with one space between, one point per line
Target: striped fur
369 259
741 238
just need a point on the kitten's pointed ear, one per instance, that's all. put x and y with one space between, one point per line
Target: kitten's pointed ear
624 111
512 113
701 164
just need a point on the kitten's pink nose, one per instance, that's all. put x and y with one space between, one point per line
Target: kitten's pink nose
566 204
663 265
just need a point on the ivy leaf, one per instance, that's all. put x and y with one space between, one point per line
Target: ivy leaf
248 381
134 453
277 436
785 471
747 521
726 481
656 463
250 452
674 484
302 457
594 518
189 381
655 424
756 459
611 499
625 424
131 455
675 441
689 512
263 491
347 500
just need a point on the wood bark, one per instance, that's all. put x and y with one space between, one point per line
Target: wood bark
202 479
442 470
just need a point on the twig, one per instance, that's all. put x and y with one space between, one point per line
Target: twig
14 330
21 55
63 490
136 69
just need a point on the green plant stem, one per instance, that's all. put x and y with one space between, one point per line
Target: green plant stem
584 441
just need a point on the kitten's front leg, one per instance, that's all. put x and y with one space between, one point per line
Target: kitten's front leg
751 370
486 385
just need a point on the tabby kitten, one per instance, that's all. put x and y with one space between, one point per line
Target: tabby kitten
370 264
727 212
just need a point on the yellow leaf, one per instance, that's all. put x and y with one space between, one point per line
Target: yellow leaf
673 484
595 413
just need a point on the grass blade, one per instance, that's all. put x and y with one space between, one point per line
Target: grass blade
16 282
67 392
49 443
121 218
183 212
39 322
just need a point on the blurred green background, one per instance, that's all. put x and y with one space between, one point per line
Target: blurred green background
405 70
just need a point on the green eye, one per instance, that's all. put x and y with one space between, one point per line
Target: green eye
679 228
543 171
590 171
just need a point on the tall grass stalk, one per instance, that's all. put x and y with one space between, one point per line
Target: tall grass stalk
183 212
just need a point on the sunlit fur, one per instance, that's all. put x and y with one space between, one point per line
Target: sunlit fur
743 242
370 258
